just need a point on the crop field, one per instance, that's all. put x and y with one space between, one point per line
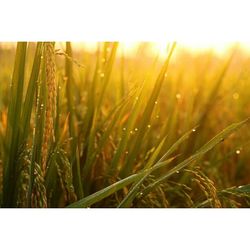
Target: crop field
105 127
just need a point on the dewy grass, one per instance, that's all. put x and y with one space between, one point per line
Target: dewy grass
82 129
72 123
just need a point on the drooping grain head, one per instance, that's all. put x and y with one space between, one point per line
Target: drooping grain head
206 185
38 197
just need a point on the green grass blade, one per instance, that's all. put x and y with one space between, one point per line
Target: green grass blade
30 94
98 196
107 72
125 137
69 87
13 126
177 144
72 121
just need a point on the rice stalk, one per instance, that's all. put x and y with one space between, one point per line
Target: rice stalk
51 101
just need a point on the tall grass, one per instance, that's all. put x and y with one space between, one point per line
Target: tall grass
105 130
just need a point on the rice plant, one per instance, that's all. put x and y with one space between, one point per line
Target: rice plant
103 129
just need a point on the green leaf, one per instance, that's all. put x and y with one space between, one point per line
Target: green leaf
30 94
98 196
242 189
10 170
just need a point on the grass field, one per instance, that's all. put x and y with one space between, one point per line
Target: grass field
105 129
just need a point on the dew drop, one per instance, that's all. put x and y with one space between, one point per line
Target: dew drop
102 75
177 172
136 129
235 96
126 152
124 129
237 151
156 102
207 163
178 96
157 117
149 126
194 130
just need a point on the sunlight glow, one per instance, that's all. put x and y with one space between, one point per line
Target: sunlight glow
159 48
129 49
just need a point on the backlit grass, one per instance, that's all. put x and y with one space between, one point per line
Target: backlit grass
103 129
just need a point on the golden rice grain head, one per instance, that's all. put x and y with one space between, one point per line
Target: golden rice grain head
206 185
51 100
38 197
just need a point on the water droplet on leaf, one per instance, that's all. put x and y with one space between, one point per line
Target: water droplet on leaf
178 96
235 96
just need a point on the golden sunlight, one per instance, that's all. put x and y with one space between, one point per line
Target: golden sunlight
160 48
